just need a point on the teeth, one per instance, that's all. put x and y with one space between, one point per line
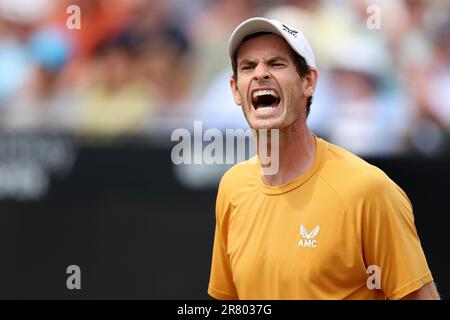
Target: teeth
258 93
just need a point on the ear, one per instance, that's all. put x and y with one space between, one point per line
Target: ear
310 82
236 94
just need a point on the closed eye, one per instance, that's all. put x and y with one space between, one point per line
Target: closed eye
278 65
247 67
277 62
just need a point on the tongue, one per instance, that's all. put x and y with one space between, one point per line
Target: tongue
272 105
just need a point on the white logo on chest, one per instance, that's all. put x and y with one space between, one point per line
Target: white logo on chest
307 240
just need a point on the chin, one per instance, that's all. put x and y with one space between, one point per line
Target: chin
268 125
267 121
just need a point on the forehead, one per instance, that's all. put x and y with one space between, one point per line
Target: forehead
263 46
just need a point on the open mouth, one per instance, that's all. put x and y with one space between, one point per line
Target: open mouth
265 99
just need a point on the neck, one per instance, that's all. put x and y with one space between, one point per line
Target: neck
297 149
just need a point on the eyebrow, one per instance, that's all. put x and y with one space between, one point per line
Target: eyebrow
277 58
247 61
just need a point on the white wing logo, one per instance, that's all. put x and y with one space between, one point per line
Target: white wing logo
307 235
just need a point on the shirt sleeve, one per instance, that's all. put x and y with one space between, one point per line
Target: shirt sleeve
390 240
221 285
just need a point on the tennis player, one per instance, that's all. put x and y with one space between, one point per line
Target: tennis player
327 224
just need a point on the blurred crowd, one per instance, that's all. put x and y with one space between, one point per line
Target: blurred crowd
145 67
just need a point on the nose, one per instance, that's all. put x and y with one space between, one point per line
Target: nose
261 72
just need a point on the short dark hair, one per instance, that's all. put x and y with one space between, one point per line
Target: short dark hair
299 62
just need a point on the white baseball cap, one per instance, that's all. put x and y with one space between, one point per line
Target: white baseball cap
294 38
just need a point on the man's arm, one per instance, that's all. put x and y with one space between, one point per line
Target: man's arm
427 292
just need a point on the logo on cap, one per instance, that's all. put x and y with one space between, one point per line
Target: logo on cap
290 31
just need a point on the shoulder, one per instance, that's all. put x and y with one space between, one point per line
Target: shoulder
354 179
241 175
237 181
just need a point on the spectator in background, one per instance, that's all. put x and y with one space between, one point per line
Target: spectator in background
370 114
431 88
164 64
46 104
113 101
416 48
32 56
165 55
15 66
162 60
139 73
100 20
208 33
438 75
